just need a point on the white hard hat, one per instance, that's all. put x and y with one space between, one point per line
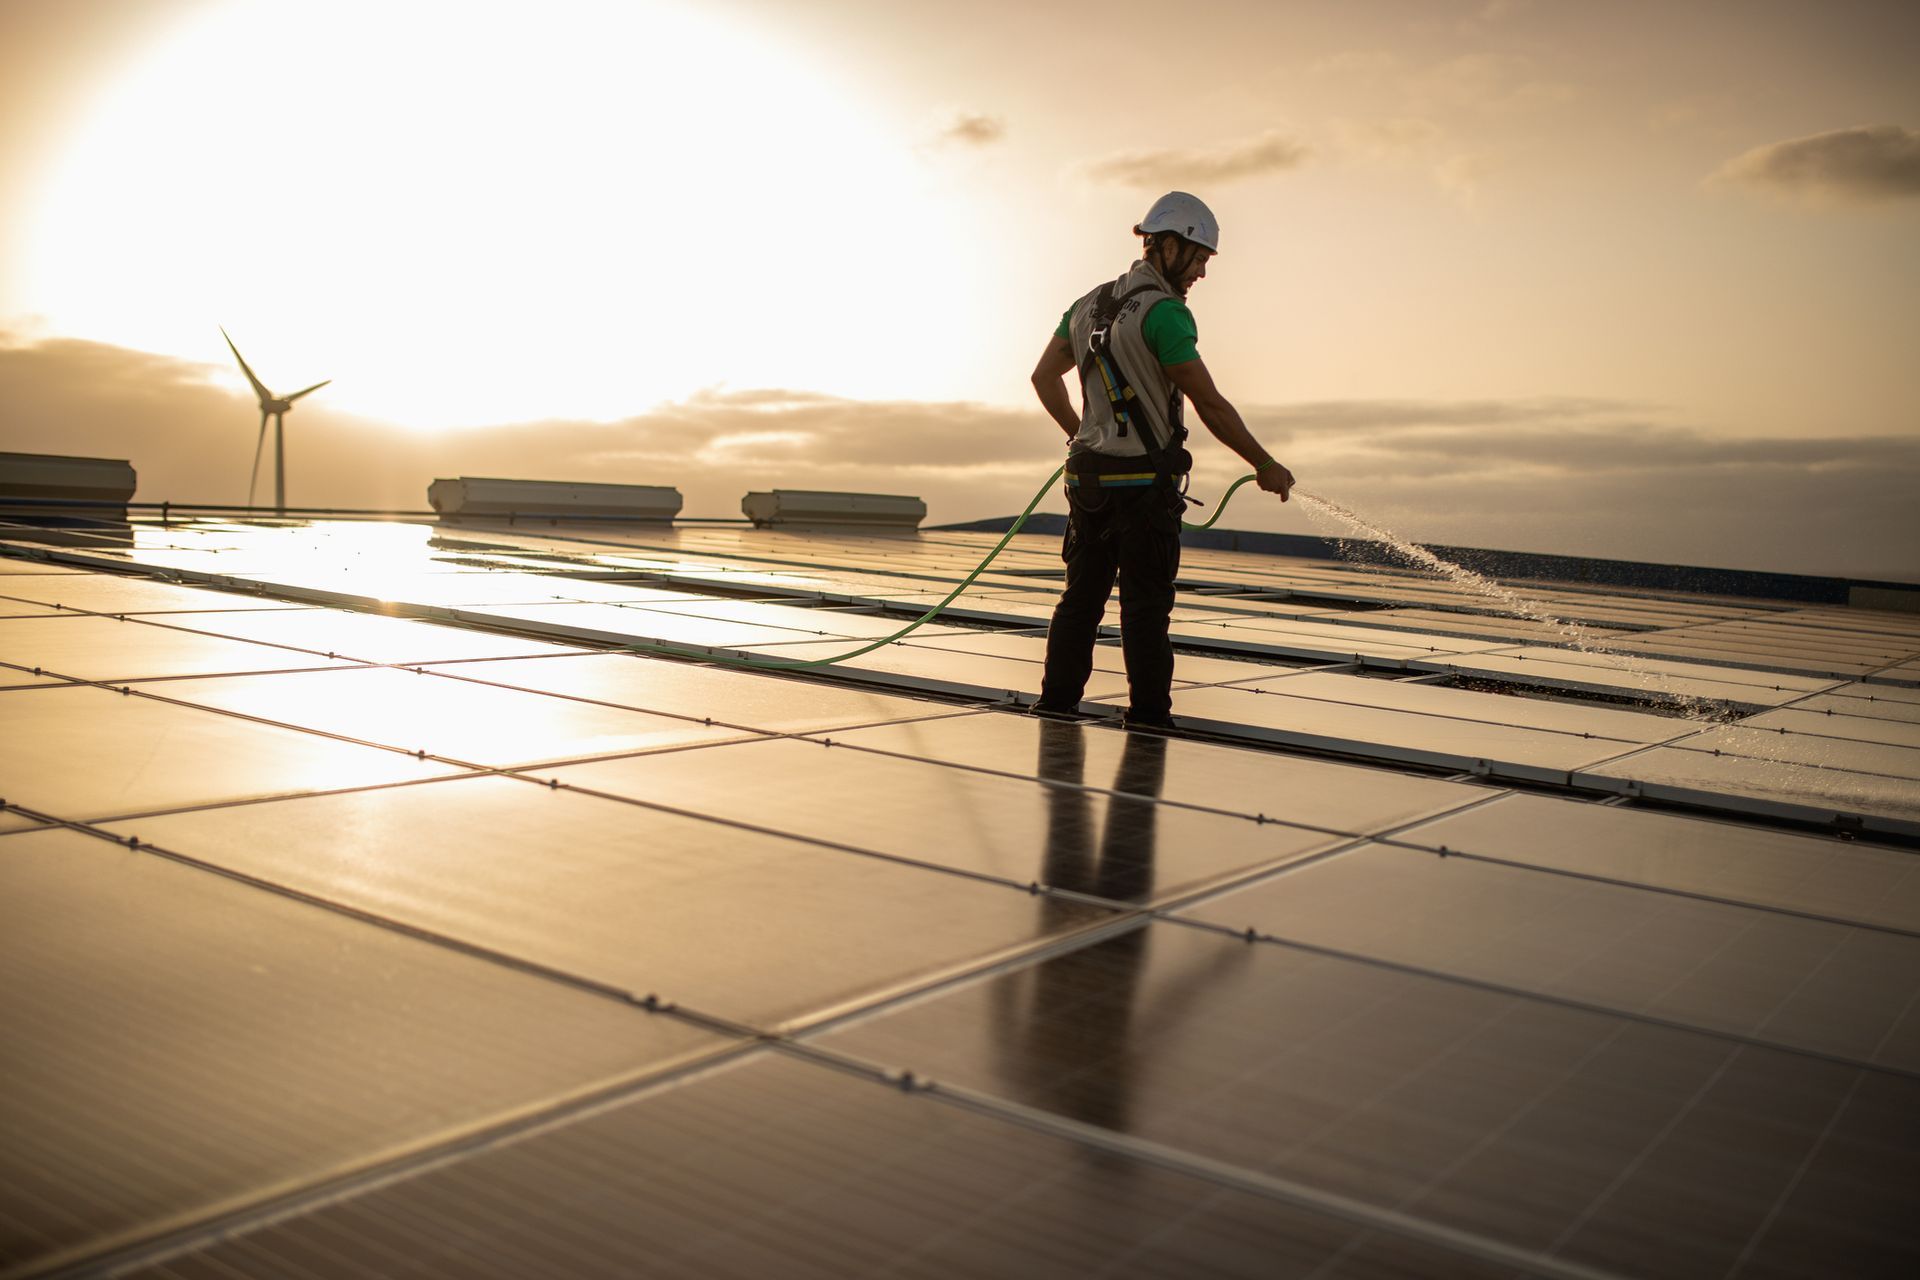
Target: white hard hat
1184 215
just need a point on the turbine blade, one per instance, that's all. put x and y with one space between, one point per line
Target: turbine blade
254 477
315 387
259 388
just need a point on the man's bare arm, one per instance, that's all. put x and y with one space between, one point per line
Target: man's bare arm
1228 427
1049 383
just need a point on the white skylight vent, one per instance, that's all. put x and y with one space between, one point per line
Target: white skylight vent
816 509
48 480
476 496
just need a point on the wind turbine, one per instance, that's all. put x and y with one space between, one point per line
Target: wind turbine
275 407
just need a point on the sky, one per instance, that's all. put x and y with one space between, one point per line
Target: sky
1635 280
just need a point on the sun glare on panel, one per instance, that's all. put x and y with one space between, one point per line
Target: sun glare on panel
474 213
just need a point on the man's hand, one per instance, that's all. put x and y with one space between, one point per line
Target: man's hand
1274 478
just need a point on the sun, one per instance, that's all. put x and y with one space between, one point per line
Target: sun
469 213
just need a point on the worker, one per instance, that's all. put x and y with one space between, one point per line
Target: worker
1134 343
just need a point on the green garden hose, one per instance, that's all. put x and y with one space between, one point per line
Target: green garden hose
775 664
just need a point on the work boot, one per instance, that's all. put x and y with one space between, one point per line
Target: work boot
1045 712
1162 724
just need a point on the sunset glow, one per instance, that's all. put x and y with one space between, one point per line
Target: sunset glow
1629 280
469 214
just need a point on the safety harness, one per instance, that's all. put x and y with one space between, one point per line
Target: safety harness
1100 373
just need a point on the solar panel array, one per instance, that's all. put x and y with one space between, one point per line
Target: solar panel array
371 907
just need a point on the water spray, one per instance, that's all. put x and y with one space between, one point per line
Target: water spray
1411 553
1580 637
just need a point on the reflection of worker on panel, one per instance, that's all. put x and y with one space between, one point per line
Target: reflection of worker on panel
1079 1007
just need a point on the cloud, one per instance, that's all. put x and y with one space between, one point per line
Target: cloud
1696 113
1564 438
1862 164
1462 176
1398 137
970 129
1484 83
1498 10
1580 476
1359 66
1382 418
1569 430
1609 478
1455 117
827 434
1493 83
1269 153
1417 143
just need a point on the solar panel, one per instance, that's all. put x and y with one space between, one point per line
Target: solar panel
1613 723
1819 750
22 678
1827 723
113 650
85 752
1822 875
98 593
727 917
1863 703
180 1045
1107 657
775 1166
1017 831
1468 624
441 715
763 701
1758 785
372 907
1645 676
1603 1139
933 670
1765 976
1312 793
1319 639
786 617
611 623
1904 696
1511 750
367 637
10 569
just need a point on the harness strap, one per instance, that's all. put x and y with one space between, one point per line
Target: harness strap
1119 392
1113 383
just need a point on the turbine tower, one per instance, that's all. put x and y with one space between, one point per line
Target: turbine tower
275 407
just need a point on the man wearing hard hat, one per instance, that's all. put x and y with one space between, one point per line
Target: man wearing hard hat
1133 341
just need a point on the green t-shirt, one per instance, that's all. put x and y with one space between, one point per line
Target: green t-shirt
1168 329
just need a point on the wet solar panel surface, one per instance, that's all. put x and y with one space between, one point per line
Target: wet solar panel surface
777 1166
396 916
441 714
1020 831
113 650
1746 970
1559 1128
740 923
178 1043
1828 876
84 752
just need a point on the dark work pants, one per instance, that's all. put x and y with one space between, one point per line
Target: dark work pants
1133 536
